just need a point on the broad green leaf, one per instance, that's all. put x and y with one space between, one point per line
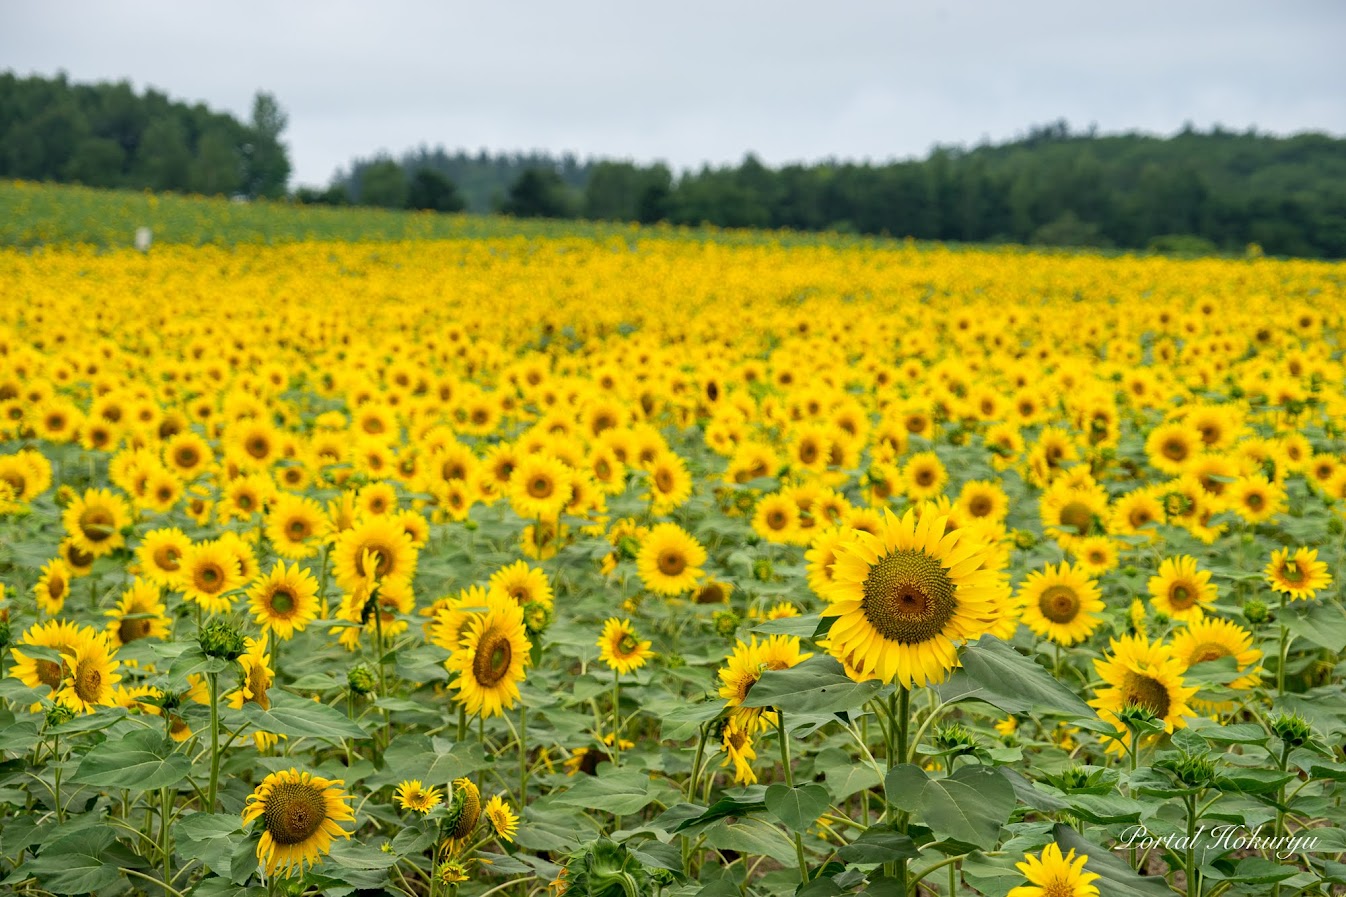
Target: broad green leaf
879 844
1105 809
754 837
210 838
1032 794
1323 623
614 791
77 863
969 806
802 627
903 786
749 800
215 886
819 887
797 807
818 685
297 718
844 781
1011 682
142 760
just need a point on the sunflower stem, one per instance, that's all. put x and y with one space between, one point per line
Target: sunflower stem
462 723
214 680
165 812
1284 653
790 783
523 753
56 776
616 717
383 670
1193 875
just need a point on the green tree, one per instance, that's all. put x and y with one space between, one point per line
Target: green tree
97 162
383 183
538 193
434 192
163 160
266 165
216 170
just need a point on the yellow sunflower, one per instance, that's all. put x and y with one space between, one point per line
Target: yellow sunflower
62 637
95 520
491 658
1136 513
669 561
823 554
620 648
1211 639
670 483
1299 576
1180 590
52 587
285 600
382 540
413 795
1170 446
522 583
208 573
296 526
738 748
539 487
1053 875
776 518
924 476
140 613
745 666
982 500
91 673
1255 498
300 815
905 599
1141 674
160 555
503 821
1095 555
1060 603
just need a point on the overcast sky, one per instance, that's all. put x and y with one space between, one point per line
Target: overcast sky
697 81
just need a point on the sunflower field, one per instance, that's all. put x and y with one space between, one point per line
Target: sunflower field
633 563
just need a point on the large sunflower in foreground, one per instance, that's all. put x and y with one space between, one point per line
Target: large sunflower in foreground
669 561
907 597
1142 674
1054 875
491 658
300 813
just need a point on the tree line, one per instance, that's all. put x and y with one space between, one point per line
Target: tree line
108 135
1196 191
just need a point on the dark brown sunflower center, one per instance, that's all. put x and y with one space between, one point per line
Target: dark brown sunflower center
1077 516
298 530
1209 651
186 457
777 519
908 597
980 506
1059 603
97 524
294 811
166 557
540 487
711 594
672 563
258 447
209 578
1181 596
56 586
627 645
1254 500
382 564
49 673
89 682
1175 449
1144 691
925 476
130 630
492 660
1140 517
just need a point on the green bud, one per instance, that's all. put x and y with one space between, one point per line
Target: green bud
955 739
628 547
5 633
762 570
1335 525
57 714
1023 539
219 639
726 623
1256 612
1193 770
361 679
674 661
1292 729
537 617
1130 570
470 525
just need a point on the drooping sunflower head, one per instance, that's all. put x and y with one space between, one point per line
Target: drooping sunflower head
301 814
906 598
464 809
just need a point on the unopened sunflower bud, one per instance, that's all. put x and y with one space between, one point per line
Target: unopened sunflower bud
537 617
628 547
470 525
762 570
954 739
1292 729
726 623
57 714
1256 612
219 639
361 680
1195 771
1023 539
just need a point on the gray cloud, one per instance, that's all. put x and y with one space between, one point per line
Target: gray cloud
704 81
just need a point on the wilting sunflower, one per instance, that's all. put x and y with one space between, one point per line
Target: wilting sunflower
906 598
539 487
208 573
285 600
257 676
737 743
1141 674
1060 603
413 795
384 542
295 526
464 810
669 561
52 587
620 648
491 658
522 583
91 673
1211 639
300 815
1299 576
95 520
503 821
160 554
1053 875
1180 590
139 614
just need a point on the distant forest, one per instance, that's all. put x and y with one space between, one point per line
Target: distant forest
1195 192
